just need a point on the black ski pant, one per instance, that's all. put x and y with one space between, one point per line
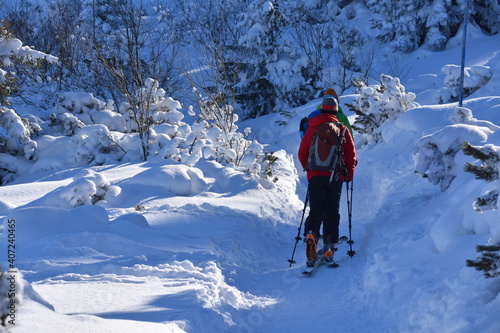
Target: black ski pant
324 203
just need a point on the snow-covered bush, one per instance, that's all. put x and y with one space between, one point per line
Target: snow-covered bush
88 188
98 135
146 108
74 110
65 123
154 108
488 261
396 24
93 145
16 145
474 78
462 115
377 104
15 134
226 146
439 156
12 51
78 103
436 154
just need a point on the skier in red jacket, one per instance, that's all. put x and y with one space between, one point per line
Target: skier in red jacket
325 191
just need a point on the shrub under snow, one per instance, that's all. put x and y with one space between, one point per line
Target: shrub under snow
74 110
88 188
15 134
16 145
439 156
85 131
475 77
377 104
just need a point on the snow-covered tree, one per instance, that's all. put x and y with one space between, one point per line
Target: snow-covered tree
377 104
406 25
15 131
475 77
147 107
348 55
262 25
12 51
126 45
15 134
63 37
312 33
436 154
489 155
328 42
486 13
212 31
25 20
104 44
399 23
441 23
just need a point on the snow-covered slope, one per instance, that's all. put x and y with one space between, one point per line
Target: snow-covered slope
204 249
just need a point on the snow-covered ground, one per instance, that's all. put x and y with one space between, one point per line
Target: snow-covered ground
204 249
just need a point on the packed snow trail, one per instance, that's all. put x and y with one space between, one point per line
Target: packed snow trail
332 299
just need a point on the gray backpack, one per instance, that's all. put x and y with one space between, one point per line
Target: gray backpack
325 152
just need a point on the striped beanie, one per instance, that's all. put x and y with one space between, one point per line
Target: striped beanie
329 104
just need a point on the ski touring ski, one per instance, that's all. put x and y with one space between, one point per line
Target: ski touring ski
310 270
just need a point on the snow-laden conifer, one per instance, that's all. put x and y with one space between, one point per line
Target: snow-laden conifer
378 104
488 170
436 154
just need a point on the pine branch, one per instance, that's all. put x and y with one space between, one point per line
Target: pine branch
485 172
489 169
470 150
488 262
487 201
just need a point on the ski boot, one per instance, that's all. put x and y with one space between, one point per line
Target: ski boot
328 252
310 249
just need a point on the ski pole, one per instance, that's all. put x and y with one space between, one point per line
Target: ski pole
291 261
351 252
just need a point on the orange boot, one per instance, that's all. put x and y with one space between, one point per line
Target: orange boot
310 249
328 252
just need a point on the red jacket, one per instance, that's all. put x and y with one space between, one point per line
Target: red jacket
347 144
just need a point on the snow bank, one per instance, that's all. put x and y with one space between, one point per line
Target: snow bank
86 188
5 207
211 289
176 179
34 223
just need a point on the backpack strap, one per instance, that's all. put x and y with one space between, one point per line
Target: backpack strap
304 123
340 152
